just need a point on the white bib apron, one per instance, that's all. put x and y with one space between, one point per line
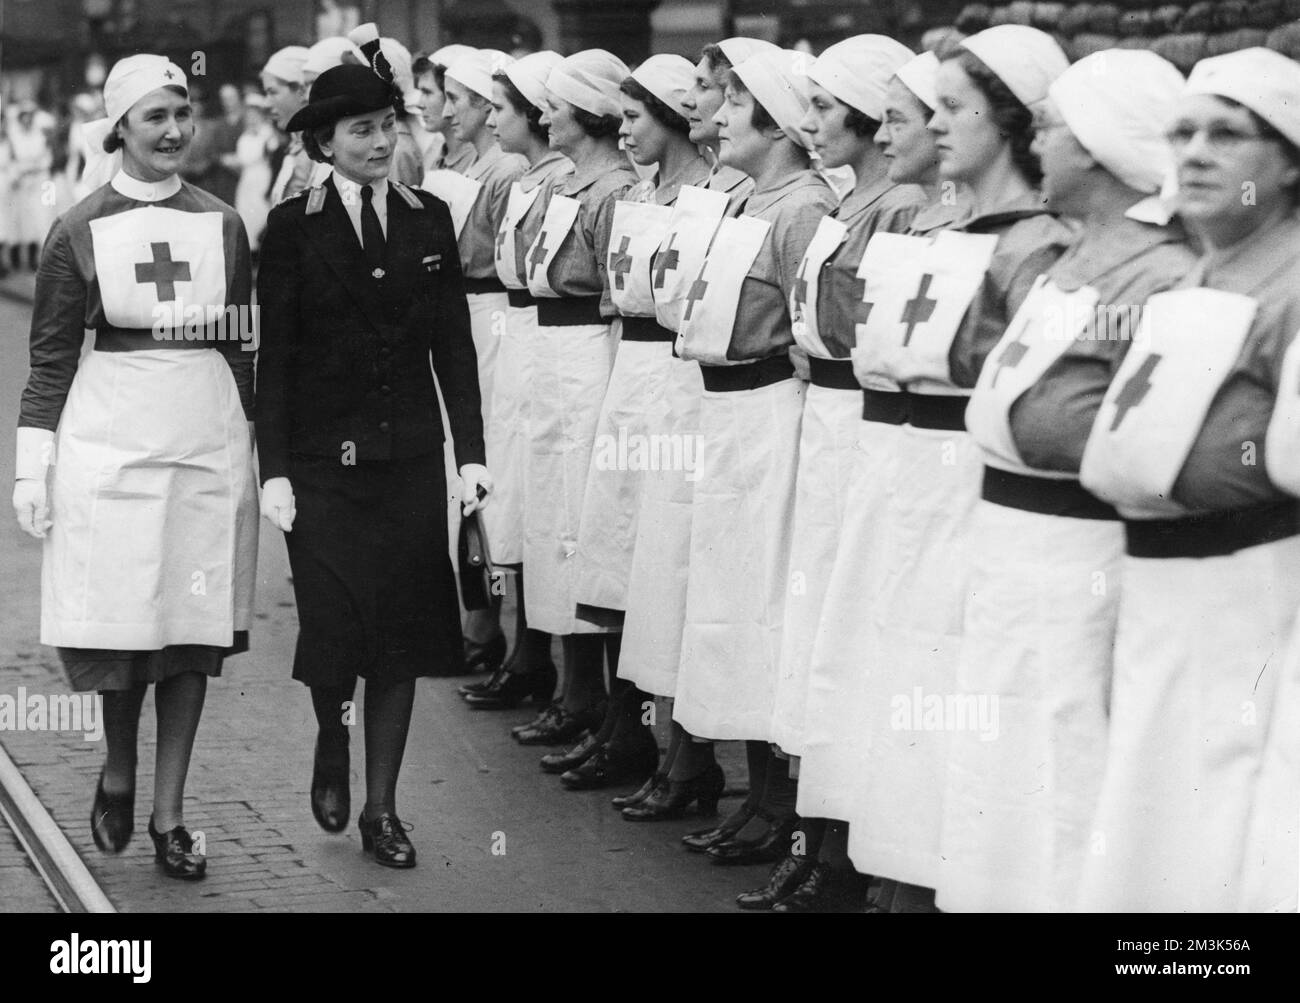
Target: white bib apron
695 217
711 301
459 192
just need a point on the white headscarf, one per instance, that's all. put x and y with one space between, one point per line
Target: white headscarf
589 80
530 73
330 52
775 81
740 48
1266 82
919 75
286 64
475 70
668 78
1025 59
1117 103
857 71
128 81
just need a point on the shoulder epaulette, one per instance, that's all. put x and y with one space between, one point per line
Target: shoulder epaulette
315 200
409 196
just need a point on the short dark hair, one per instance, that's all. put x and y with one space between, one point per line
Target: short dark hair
760 118
1013 120
312 140
660 112
715 58
597 126
860 123
421 65
523 106
440 76
113 142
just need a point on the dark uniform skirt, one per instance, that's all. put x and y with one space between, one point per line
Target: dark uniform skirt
371 571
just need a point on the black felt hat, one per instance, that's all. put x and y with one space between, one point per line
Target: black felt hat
343 91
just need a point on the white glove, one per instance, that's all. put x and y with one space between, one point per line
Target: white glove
277 503
472 477
31 506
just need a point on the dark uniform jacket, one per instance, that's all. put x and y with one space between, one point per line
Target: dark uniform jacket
343 368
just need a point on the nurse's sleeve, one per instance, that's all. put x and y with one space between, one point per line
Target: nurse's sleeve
57 333
451 343
279 280
1282 444
239 294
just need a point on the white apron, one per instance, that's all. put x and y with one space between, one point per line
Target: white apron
569 373
626 436
459 192
154 535
1198 660
1025 771
506 438
741 517
828 440
657 579
694 220
892 618
1200 645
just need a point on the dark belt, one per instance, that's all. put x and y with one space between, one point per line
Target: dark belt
903 407
1213 534
748 375
1043 495
138 339
475 287
569 311
646 329
835 374
521 298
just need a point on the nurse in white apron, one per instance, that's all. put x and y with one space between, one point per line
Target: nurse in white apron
478 208
519 93
632 439
736 324
847 89
574 354
149 562
285 94
1045 554
1211 573
893 612
656 603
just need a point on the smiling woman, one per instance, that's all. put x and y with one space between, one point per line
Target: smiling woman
149 562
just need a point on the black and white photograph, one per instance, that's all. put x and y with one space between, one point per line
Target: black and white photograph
651 457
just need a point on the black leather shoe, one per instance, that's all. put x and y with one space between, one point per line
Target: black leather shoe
563 729
482 685
513 688
485 657
788 876
826 890
673 800
574 756
331 797
546 716
701 839
772 845
112 819
385 838
612 765
644 791
174 849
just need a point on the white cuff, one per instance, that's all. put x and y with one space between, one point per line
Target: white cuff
34 454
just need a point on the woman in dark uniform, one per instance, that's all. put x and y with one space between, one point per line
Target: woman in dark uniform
360 284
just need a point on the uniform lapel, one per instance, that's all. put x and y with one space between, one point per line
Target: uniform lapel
339 247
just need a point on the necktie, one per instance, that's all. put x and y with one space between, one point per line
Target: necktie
372 234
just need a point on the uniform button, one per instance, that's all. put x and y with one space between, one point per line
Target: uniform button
383 426
385 389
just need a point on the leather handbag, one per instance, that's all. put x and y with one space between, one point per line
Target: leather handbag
475 560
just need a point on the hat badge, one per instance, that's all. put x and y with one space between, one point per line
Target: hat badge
378 273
